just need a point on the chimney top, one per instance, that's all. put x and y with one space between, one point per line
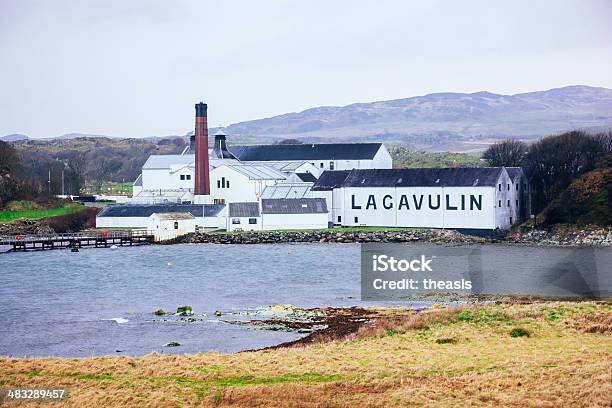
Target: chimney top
201 109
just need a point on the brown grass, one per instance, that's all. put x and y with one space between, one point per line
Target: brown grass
402 359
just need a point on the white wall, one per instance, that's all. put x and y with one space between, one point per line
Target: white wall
241 188
382 159
506 212
122 222
294 221
244 224
164 228
307 167
425 217
168 179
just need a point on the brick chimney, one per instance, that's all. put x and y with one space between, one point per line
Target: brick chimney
202 178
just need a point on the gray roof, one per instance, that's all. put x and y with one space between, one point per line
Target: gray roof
258 172
165 161
435 177
514 172
286 190
307 177
285 166
293 206
325 151
145 210
174 216
138 181
244 209
329 180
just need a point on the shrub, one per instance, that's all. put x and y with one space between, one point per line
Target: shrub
519 332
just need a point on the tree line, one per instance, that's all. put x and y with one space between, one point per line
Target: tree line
553 162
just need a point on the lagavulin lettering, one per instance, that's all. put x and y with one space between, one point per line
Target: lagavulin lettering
470 202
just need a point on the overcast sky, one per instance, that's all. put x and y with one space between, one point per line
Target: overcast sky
136 68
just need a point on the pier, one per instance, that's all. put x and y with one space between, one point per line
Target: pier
97 239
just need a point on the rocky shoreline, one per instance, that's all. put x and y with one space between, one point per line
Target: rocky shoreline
559 236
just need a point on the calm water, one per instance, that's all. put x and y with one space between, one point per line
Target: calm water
60 303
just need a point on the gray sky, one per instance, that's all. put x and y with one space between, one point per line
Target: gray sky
135 68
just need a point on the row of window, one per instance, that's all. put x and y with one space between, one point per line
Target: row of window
331 165
517 186
508 204
185 176
223 183
237 221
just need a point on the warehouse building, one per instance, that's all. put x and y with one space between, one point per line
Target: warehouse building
207 216
457 198
325 156
301 213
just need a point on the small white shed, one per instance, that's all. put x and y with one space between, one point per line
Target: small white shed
171 225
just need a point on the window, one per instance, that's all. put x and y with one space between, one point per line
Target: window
227 183
175 224
182 177
508 203
219 201
517 185
331 165
508 187
321 165
499 203
510 220
235 220
218 183
188 177
499 187
339 219
517 203
222 182
356 220
252 220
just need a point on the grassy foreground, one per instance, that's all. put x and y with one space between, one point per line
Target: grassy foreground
540 354
8 216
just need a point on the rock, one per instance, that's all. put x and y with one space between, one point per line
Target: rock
217 313
160 312
172 344
184 311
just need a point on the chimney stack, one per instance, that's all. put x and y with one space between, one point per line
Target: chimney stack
202 178
220 148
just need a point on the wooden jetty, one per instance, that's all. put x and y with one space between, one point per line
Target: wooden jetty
97 239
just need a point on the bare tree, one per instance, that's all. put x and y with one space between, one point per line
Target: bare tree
8 157
508 153
553 162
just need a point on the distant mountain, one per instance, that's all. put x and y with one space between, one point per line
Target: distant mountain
69 136
451 121
13 138
462 122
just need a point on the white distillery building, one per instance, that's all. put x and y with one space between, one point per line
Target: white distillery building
207 216
171 225
170 178
457 198
278 214
325 156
